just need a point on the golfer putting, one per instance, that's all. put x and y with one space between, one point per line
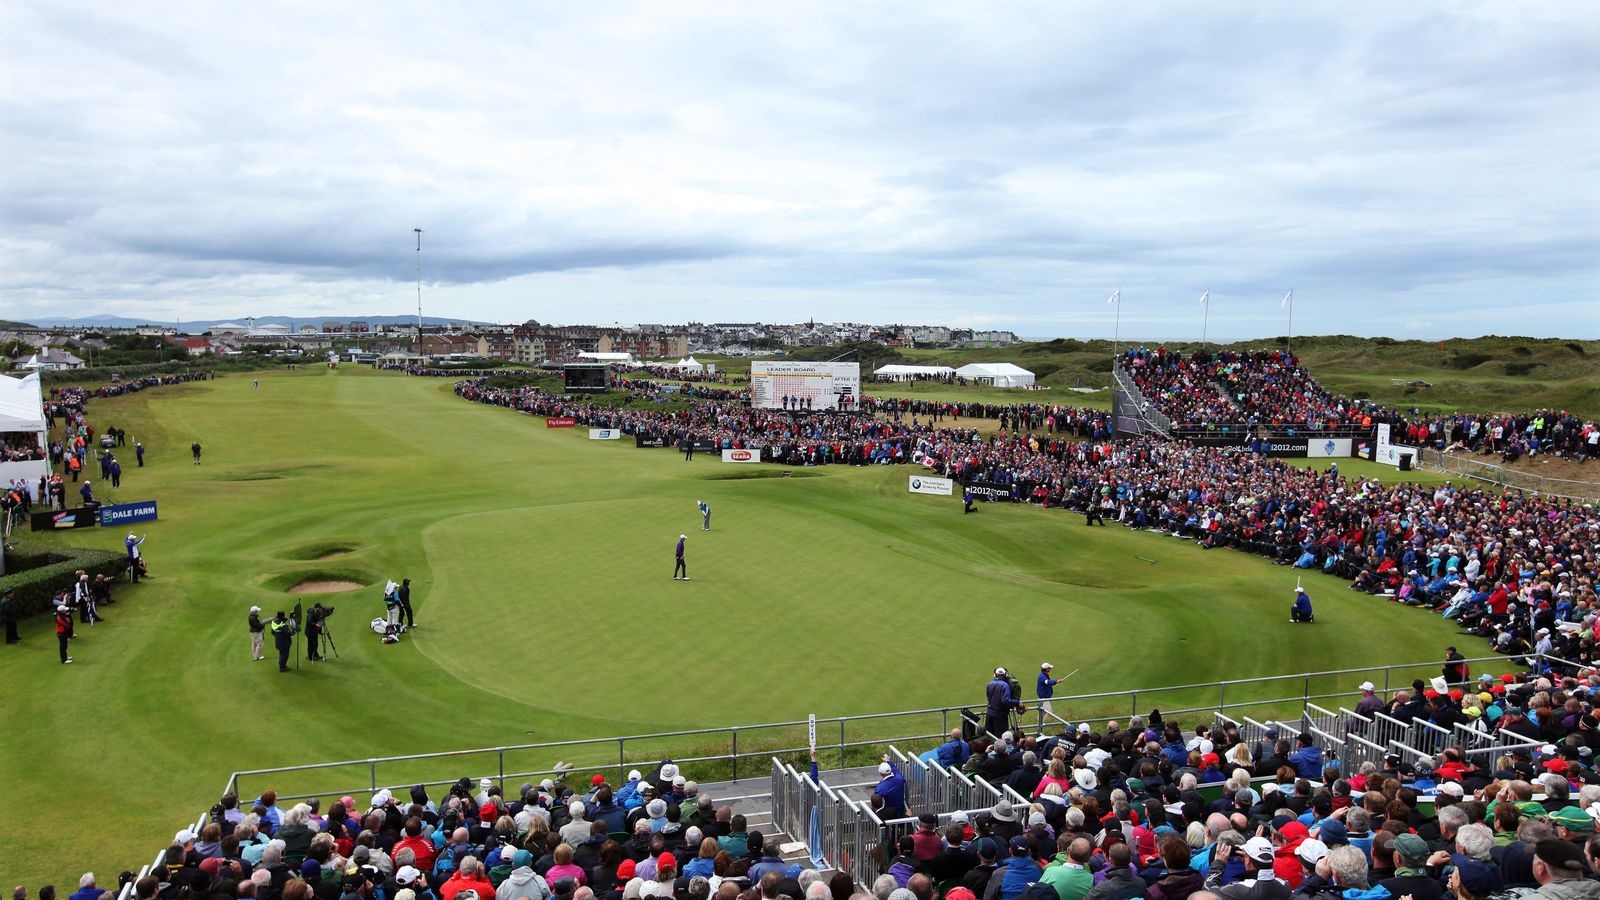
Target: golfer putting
680 571
705 514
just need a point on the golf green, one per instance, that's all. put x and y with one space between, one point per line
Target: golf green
541 567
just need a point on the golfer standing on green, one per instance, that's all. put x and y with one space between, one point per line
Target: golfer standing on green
705 512
679 566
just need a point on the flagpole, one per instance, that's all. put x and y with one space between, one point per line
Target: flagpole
1205 323
1288 342
1116 331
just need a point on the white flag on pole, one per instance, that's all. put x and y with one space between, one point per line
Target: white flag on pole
1287 299
1115 296
1204 296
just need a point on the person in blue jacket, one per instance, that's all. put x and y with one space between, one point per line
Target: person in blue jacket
1020 870
1301 611
997 693
892 788
952 753
1044 689
1307 760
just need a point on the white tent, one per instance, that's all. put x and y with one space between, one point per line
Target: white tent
898 372
997 374
21 404
22 410
689 364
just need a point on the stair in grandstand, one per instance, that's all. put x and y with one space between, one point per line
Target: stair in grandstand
1131 411
1223 391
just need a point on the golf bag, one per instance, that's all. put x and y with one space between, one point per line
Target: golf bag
390 633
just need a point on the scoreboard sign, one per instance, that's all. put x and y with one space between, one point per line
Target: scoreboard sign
821 383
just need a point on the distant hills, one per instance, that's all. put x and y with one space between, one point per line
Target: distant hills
293 322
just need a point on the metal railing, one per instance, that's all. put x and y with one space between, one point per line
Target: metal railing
1515 479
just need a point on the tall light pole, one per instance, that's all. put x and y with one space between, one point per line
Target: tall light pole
419 290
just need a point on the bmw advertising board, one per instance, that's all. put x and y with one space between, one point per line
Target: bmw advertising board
924 484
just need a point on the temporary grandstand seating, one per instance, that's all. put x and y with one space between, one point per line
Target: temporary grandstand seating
827 821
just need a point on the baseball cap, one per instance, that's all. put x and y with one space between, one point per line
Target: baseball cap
1258 849
1046 666
1333 833
1368 686
255 609
884 768
406 875
683 537
183 837
666 861
1410 847
1019 845
1311 851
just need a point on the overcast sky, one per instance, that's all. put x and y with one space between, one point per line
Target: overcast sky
1412 169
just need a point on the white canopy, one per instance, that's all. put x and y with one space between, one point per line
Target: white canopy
21 404
896 370
997 374
689 364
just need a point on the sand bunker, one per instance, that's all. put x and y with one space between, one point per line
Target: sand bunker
324 587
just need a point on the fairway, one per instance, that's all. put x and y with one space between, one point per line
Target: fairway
540 564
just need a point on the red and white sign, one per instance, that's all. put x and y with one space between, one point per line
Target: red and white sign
741 456
560 422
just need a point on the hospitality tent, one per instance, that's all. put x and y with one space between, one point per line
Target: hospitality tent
22 411
898 372
998 374
689 364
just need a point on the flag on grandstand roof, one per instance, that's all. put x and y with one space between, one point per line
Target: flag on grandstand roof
1204 296
1287 299
1115 296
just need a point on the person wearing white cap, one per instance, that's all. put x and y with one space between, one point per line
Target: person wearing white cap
258 630
1044 690
678 565
1001 700
891 789
1370 701
1301 610
1259 882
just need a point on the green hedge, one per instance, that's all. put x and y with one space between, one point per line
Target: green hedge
37 572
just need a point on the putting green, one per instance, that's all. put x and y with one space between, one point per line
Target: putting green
541 567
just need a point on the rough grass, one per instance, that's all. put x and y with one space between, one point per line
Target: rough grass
837 595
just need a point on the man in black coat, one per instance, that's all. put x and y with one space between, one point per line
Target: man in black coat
8 615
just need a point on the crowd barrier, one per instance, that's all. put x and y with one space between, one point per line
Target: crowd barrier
1516 479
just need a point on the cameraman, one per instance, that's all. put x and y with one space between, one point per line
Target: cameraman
314 627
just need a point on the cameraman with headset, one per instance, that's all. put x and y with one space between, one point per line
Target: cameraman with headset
315 618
